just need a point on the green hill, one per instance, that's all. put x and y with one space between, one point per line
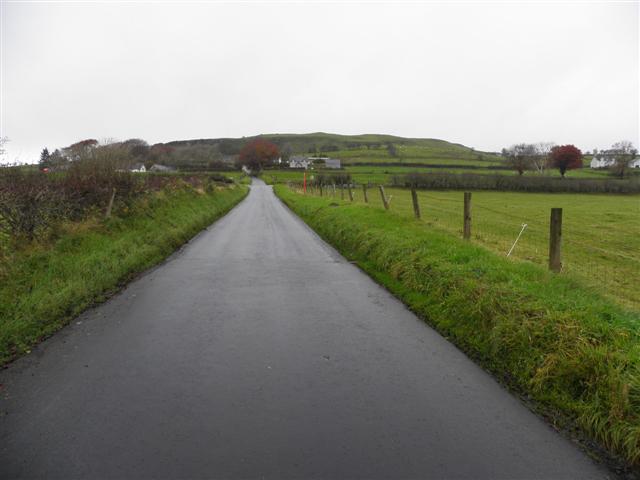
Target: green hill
352 149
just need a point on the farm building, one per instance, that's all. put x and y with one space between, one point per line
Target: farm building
138 167
604 160
328 162
332 163
298 161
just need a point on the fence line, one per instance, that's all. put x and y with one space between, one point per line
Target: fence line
533 244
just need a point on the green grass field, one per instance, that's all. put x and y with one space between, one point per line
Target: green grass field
550 337
601 233
46 285
382 175
372 173
444 155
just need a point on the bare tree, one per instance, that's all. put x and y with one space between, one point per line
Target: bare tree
81 150
540 160
622 152
520 157
3 150
137 147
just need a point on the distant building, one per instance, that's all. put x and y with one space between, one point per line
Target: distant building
326 162
604 160
161 168
332 163
138 168
298 161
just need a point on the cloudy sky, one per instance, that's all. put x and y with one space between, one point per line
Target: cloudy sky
485 74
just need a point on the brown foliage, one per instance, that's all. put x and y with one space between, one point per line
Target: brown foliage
258 154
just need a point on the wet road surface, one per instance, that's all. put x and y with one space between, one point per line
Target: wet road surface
259 352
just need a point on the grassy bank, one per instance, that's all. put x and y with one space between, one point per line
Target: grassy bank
601 232
549 337
47 284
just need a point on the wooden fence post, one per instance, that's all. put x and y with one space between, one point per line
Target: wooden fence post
416 206
364 193
555 240
110 205
350 193
334 189
467 216
385 202
342 191
320 187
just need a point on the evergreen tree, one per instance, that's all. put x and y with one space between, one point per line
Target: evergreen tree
45 156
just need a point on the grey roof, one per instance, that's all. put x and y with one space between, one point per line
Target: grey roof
332 163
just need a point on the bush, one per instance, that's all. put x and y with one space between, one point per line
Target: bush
89 184
472 181
32 202
331 179
29 202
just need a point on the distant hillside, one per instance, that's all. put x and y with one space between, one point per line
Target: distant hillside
352 149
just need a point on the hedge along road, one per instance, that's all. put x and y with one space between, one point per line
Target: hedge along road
258 351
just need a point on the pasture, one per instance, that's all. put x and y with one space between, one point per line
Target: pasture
384 174
601 233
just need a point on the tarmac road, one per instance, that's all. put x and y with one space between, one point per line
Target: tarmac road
258 351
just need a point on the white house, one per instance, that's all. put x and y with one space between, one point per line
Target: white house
298 161
138 168
602 160
328 162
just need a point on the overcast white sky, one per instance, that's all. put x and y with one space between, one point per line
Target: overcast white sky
484 74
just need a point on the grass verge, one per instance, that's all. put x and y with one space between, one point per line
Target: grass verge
48 285
549 338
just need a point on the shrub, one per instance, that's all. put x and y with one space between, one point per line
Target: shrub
32 202
472 181
29 202
89 184
331 179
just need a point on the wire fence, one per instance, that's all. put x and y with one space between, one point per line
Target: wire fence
499 225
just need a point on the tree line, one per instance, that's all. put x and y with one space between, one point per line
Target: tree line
538 157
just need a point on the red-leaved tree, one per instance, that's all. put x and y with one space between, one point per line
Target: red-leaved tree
566 157
257 154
